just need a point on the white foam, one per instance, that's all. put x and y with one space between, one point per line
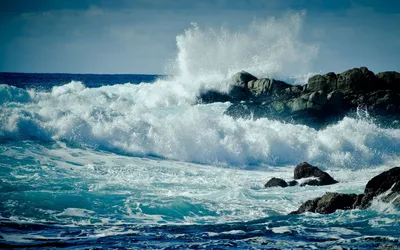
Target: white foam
110 118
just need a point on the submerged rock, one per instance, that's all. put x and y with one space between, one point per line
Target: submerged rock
305 170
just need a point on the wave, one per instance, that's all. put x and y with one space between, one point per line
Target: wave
111 118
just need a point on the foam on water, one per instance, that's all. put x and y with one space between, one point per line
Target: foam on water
110 118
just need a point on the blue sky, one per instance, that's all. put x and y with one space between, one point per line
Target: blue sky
138 36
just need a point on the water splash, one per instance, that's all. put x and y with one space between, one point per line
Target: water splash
266 48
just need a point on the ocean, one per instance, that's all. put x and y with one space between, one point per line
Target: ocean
91 161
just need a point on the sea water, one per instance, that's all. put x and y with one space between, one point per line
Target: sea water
131 161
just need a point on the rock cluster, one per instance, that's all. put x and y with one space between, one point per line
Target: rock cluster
386 184
301 171
325 98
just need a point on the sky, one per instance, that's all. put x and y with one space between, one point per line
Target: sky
139 36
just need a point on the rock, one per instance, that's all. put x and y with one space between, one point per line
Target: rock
330 202
383 182
241 79
213 96
276 182
318 98
292 183
266 86
305 170
388 180
326 83
324 100
335 100
238 94
357 79
300 103
389 80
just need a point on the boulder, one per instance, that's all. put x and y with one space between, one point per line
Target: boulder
330 202
276 182
357 79
335 100
241 79
388 180
389 80
305 170
266 86
326 83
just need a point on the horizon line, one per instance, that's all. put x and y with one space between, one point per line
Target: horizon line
68 73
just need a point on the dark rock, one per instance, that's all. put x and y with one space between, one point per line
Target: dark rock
292 183
335 100
389 80
326 83
276 182
383 182
238 94
308 206
388 180
357 79
266 86
241 79
305 170
329 203
213 96
324 100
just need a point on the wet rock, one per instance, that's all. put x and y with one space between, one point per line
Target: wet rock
266 86
326 83
389 80
276 182
305 170
357 79
213 96
292 183
388 180
241 79
330 202
325 99
386 184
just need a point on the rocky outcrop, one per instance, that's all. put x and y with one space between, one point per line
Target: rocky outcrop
386 184
323 100
305 170
302 171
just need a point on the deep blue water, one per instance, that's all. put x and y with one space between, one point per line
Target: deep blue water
128 161
47 81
